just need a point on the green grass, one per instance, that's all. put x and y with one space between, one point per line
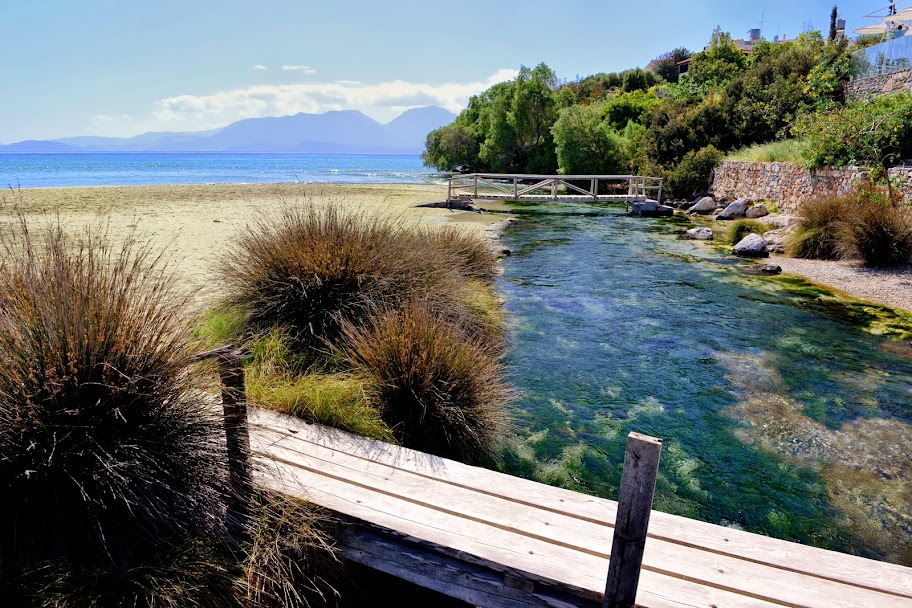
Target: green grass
785 151
741 228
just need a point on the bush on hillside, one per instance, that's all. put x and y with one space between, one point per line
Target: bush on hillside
110 463
693 175
439 392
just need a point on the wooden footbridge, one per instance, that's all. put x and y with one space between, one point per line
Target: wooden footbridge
495 540
564 188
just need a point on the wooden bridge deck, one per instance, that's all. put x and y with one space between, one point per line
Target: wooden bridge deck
497 540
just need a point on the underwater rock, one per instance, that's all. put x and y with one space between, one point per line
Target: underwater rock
763 269
751 246
700 234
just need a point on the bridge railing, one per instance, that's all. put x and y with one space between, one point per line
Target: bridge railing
521 186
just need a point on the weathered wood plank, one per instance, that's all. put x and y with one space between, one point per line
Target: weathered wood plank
557 528
641 468
713 540
535 561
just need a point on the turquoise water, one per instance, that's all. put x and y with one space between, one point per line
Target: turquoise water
779 414
131 169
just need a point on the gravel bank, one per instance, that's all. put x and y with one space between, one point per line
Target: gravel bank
892 286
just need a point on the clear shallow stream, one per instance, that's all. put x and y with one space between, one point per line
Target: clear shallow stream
780 413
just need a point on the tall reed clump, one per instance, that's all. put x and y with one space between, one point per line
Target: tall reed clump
440 391
817 233
312 268
334 291
111 468
871 224
878 231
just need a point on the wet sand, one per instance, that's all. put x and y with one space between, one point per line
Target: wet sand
198 222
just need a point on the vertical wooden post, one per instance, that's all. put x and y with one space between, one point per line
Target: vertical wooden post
659 195
641 466
237 438
594 186
476 186
515 188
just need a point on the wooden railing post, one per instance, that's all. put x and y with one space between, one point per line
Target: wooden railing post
641 466
237 437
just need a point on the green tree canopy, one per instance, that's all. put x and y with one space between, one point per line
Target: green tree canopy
586 143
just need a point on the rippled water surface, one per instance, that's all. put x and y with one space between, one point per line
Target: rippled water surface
780 414
153 168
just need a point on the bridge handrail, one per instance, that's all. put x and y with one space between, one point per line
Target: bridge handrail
637 185
542 176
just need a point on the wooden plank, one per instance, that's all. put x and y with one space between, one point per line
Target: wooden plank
535 561
687 563
722 541
423 565
638 480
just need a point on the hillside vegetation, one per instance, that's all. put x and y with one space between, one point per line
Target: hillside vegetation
654 123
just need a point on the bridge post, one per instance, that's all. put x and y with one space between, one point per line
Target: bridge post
641 467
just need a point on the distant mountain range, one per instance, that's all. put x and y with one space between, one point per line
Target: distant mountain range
342 132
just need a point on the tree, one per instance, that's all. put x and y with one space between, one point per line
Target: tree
719 63
532 113
666 64
585 142
833 17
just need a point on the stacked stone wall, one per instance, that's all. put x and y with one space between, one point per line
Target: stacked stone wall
789 186
885 84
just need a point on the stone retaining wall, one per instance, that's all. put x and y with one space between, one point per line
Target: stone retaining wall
789 186
785 184
881 85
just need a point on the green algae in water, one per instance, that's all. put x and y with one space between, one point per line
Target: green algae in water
780 404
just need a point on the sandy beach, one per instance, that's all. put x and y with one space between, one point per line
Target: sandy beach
197 222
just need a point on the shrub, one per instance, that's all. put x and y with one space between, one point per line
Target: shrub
741 228
880 230
439 392
110 462
311 269
693 174
817 233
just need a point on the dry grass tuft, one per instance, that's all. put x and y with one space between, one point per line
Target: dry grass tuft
440 392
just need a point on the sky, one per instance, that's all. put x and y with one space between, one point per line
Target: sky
116 68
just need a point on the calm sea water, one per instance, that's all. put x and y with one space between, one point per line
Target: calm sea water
133 169
779 413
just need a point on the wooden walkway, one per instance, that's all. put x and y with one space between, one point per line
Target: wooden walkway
542 188
497 540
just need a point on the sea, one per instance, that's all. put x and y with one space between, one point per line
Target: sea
166 168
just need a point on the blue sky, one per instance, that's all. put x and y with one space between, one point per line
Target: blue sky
106 67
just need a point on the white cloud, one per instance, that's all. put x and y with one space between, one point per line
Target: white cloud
299 68
382 101
260 66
